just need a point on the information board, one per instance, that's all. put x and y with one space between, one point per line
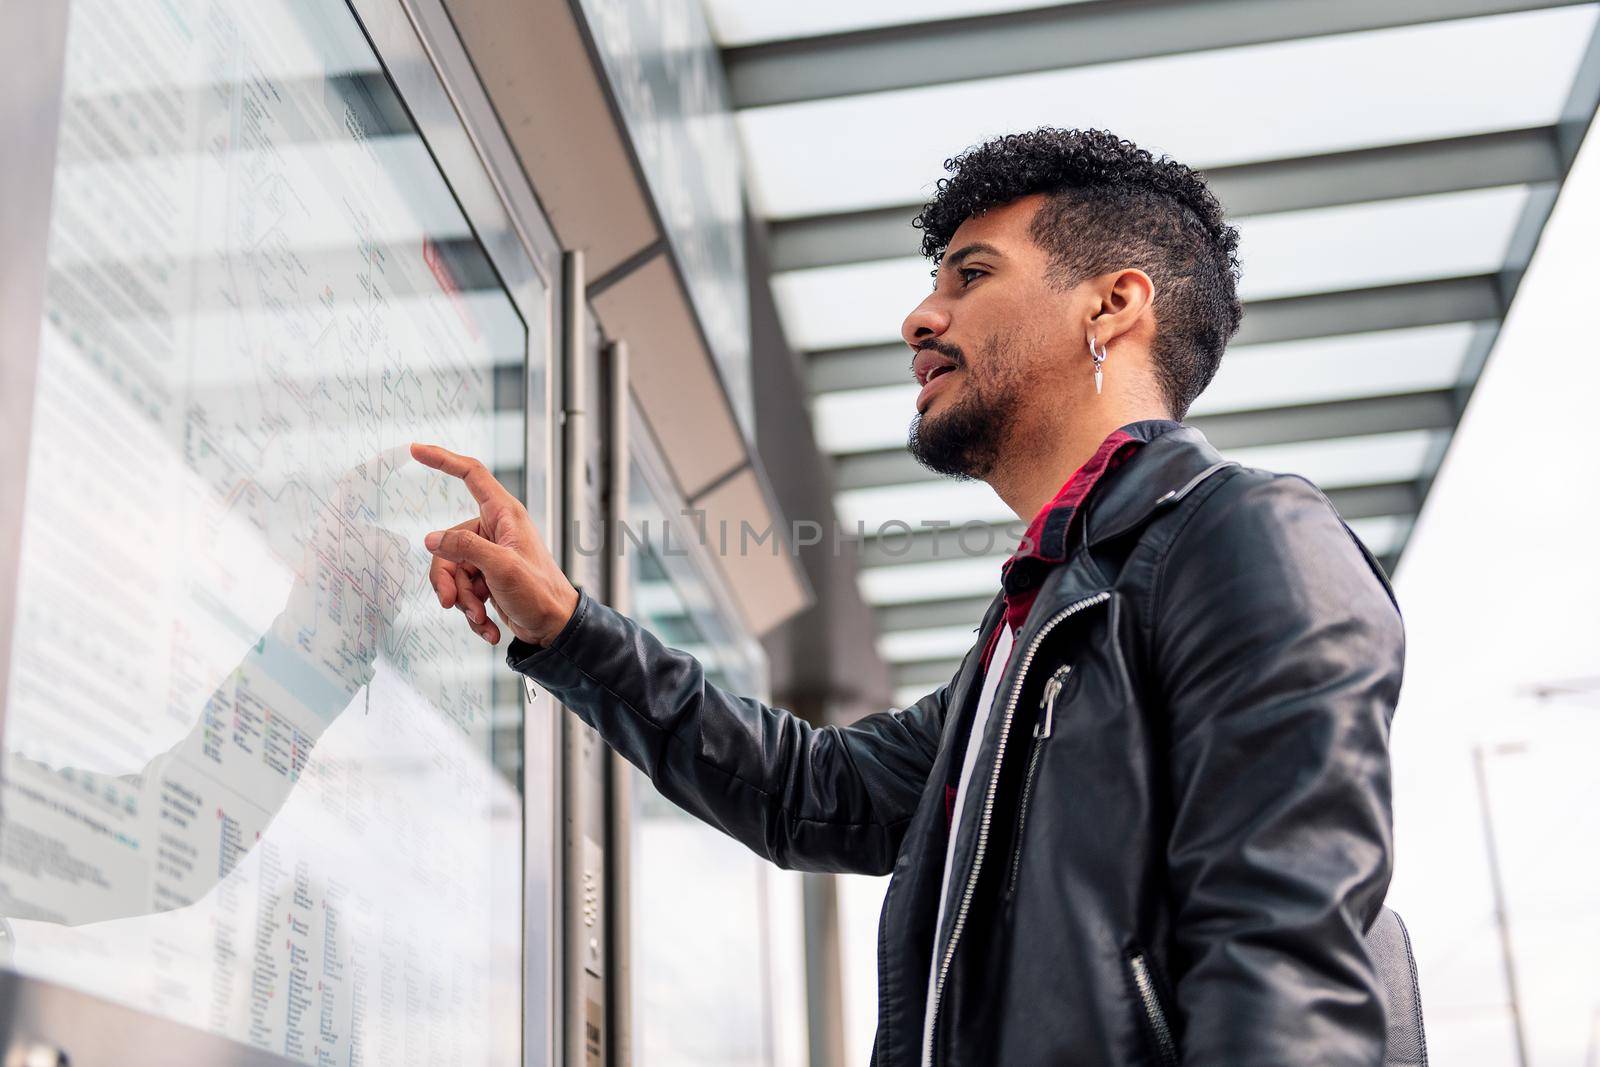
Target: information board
250 775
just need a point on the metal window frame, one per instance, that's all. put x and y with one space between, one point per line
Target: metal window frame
433 76
32 65
619 773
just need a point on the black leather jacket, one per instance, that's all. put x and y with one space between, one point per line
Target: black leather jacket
1179 869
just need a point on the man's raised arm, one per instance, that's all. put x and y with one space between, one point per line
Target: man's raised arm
812 798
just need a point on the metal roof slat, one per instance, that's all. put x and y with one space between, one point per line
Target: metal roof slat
930 673
1389 307
1059 38
1459 164
1434 409
961 611
1478 298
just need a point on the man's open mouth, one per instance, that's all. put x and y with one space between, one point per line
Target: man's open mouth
929 364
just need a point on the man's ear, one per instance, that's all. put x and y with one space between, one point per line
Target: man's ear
1122 298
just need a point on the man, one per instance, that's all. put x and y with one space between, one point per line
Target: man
1148 820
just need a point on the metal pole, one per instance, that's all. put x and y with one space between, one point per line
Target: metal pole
584 822
619 893
1502 921
824 993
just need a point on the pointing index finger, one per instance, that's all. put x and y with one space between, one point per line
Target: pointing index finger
480 483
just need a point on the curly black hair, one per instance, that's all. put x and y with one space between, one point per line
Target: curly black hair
1111 205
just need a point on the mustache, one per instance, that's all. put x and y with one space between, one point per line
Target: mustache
944 348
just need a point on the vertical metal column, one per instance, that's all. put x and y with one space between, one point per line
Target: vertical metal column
32 54
544 769
824 971
620 828
584 825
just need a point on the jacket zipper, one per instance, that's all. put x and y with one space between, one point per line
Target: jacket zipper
1166 1050
988 808
1047 713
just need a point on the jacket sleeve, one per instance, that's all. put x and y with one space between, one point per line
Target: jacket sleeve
1278 651
811 798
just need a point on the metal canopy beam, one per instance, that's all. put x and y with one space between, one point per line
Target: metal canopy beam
983 539
838 369
1461 163
1056 38
871 470
1373 501
1391 307
1431 410
967 611
1476 299
931 673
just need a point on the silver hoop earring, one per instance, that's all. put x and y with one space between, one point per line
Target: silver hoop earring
1099 358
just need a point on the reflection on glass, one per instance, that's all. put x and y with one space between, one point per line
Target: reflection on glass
700 932
254 779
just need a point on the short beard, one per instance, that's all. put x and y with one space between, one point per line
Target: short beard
966 441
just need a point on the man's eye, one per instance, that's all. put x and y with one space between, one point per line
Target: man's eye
968 274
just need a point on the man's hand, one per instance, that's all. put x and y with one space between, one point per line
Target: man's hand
497 557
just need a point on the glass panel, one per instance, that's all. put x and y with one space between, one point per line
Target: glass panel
945 579
1382 243
1208 109
938 642
1382 534
906 695
892 508
850 304
1331 249
865 420
1346 461
701 942
265 787
1339 368
737 22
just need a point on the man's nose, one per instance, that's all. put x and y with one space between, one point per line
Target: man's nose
927 321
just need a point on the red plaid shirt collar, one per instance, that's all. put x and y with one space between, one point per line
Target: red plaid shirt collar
1046 542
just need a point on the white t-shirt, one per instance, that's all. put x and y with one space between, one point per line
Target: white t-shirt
986 698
